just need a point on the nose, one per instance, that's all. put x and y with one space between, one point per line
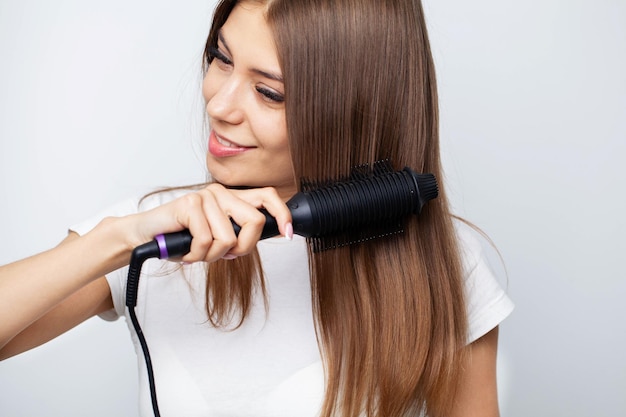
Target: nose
224 99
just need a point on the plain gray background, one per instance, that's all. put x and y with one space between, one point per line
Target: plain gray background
101 100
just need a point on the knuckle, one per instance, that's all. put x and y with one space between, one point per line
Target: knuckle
213 188
257 218
229 241
192 200
203 240
271 192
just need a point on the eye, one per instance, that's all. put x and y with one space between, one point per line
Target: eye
270 95
215 53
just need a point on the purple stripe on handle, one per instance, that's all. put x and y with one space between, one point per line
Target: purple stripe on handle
162 246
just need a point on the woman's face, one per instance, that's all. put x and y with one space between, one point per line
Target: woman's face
244 96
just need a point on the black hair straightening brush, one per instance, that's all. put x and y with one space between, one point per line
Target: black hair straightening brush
372 202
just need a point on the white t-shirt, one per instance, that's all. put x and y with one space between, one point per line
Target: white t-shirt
271 365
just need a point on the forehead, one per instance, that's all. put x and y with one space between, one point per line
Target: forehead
248 36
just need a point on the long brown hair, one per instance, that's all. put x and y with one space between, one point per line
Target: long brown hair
390 313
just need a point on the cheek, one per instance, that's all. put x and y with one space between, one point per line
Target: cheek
277 143
271 132
273 128
282 155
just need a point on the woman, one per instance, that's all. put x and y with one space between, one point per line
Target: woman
403 325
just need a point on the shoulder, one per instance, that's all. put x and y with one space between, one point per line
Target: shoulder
470 242
486 300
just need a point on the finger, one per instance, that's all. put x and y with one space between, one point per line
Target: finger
191 214
269 199
222 233
247 216
212 232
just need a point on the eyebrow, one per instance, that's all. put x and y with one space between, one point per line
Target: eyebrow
270 75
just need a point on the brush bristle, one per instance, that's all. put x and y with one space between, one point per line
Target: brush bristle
359 172
365 233
372 202
339 240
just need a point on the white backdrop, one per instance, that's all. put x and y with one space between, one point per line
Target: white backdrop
101 100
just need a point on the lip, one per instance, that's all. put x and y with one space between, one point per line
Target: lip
221 147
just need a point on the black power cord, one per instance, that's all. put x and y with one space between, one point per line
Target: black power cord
163 246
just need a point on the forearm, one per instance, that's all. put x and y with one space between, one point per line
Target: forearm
31 287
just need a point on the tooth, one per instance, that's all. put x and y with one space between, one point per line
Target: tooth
224 142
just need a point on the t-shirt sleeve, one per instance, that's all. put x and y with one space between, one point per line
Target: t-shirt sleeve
117 279
123 208
487 302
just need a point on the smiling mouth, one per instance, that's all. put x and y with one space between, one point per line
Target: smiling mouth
221 147
227 143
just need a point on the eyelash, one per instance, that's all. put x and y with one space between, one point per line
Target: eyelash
214 53
271 95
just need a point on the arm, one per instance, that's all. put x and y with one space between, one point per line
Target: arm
49 293
478 395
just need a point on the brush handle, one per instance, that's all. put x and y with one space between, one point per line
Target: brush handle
338 207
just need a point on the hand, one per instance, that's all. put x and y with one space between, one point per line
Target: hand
207 214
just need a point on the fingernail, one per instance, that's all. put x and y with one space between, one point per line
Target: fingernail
289 231
229 256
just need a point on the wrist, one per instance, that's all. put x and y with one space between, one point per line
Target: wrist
114 237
